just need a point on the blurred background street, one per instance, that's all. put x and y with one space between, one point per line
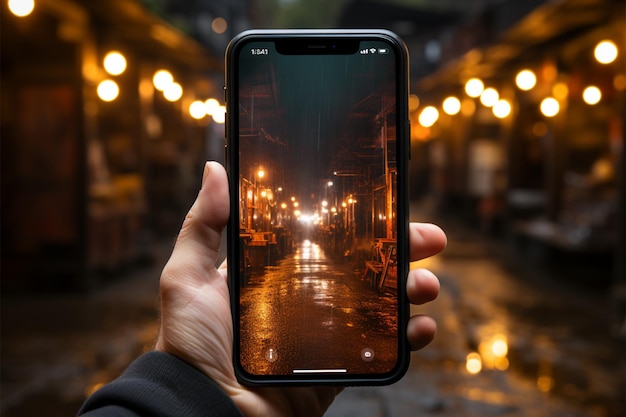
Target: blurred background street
110 108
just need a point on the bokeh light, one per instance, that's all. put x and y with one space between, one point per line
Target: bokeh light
108 90
162 79
526 80
474 87
21 8
605 52
550 107
489 97
451 105
592 95
114 63
428 116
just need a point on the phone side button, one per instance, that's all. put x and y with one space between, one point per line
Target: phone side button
408 129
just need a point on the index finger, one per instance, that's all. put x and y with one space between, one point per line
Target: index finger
426 240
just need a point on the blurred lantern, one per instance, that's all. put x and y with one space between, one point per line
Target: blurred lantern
219 115
211 105
428 116
197 110
114 63
108 90
173 92
474 87
414 102
501 109
605 52
489 97
592 95
549 107
451 105
526 80
162 79
21 8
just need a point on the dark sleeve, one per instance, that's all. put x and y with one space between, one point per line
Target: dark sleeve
159 384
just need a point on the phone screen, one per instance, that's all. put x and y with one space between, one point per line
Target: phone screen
317 158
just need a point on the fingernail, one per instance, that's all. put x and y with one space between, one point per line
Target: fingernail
205 174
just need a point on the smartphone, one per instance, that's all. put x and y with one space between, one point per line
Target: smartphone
317 154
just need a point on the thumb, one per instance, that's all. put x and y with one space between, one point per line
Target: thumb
199 240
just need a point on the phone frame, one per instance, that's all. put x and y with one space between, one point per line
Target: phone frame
402 205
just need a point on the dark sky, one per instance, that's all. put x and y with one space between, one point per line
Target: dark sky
315 94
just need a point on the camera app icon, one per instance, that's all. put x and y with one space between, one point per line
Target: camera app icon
367 354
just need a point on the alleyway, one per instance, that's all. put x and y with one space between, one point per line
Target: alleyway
308 298
513 340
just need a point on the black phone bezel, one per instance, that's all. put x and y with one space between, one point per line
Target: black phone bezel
321 42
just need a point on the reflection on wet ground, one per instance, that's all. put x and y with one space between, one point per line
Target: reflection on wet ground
506 321
313 311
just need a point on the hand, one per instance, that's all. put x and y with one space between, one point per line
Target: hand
196 323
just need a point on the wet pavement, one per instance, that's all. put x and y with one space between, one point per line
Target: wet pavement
514 339
315 312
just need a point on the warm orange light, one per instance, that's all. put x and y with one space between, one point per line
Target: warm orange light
592 95
468 107
560 91
197 110
108 90
173 92
474 87
212 105
414 102
428 116
219 115
605 52
451 105
21 8
162 79
473 363
501 109
114 63
550 107
489 97
526 80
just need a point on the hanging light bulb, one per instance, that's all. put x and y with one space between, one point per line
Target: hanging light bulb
451 105
162 78
114 63
474 87
489 97
550 107
592 95
605 52
108 90
428 116
501 109
526 80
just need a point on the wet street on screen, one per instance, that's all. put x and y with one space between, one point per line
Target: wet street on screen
315 310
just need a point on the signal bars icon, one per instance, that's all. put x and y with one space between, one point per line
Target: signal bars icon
367 51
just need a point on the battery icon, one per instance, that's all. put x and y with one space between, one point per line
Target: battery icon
383 51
